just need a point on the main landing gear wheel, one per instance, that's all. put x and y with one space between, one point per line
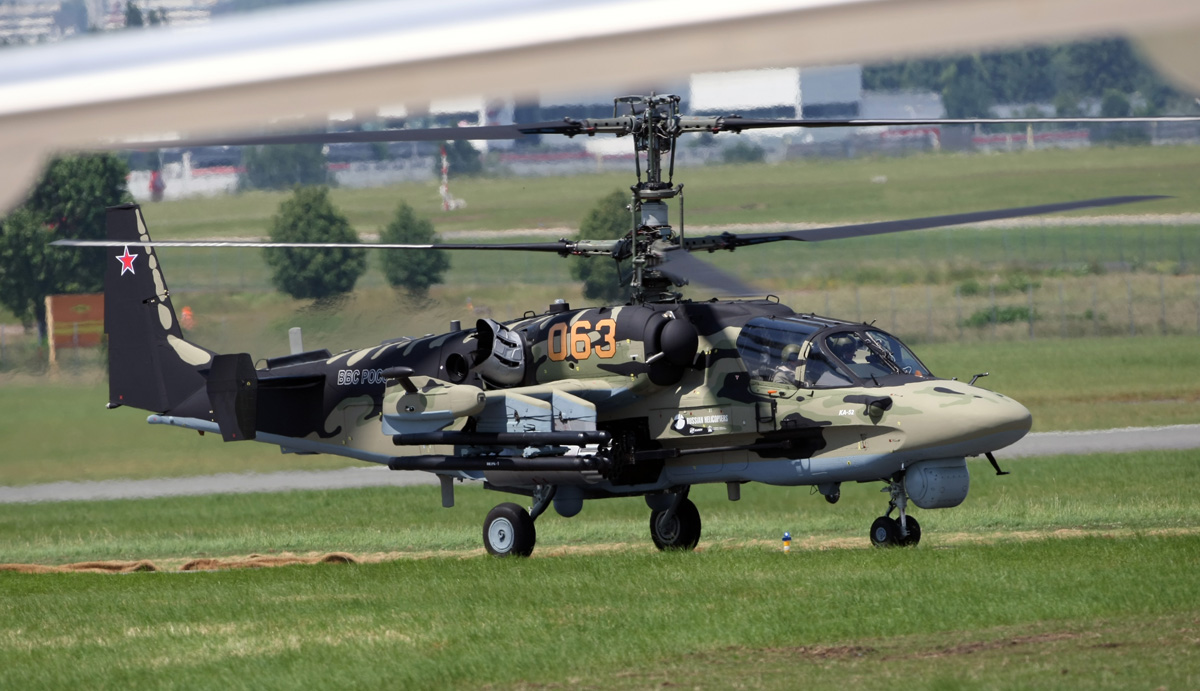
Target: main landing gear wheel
885 532
680 531
509 531
914 532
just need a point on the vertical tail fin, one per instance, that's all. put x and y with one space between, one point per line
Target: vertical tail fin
150 365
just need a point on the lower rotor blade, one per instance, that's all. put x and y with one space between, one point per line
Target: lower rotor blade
562 247
684 268
730 241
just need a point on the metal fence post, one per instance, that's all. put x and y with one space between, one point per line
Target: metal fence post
1162 298
892 307
928 312
1062 313
958 308
1029 293
995 311
1129 296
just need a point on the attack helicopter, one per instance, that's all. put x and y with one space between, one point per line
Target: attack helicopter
565 405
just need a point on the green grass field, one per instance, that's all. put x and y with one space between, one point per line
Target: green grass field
823 191
1071 572
814 190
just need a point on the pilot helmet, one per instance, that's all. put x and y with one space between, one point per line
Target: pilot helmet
790 354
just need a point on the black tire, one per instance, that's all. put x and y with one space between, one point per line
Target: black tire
885 532
508 531
681 532
914 532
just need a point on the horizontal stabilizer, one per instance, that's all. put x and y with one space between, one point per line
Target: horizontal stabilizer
233 393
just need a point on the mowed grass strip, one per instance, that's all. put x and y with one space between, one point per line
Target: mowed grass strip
990 598
1122 612
814 190
1109 494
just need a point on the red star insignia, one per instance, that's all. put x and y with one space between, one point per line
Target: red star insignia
126 261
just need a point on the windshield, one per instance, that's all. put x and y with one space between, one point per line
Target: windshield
871 355
816 355
899 354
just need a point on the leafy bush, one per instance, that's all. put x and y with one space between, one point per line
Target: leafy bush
320 273
281 166
69 201
607 220
413 271
1001 315
743 152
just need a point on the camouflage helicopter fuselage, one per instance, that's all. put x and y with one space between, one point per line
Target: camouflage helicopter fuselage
666 382
588 403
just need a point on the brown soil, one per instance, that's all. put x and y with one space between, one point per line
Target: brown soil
258 561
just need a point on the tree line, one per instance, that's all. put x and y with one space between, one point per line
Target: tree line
1109 71
70 200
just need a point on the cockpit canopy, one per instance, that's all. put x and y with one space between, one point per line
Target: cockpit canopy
818 353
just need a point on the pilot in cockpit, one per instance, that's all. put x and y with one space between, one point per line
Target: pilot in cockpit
789 363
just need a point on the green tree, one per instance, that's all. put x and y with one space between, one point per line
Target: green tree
463 158
133 16
68 201
1114 105
282 166
413 271
608 219
742 152
966 91
319 273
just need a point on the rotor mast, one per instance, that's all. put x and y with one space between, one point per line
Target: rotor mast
654 123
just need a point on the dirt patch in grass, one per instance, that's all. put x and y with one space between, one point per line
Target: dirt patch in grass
84 567
973 647
805 652
259 561
253 561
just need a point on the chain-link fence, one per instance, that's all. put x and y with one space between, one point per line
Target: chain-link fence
1127 304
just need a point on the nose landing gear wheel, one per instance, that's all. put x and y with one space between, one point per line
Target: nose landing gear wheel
914 532
885 532
509 531
681 531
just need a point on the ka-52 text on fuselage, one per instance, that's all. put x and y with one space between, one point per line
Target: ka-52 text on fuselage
564 405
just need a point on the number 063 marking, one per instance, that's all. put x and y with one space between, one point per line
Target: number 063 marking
575 342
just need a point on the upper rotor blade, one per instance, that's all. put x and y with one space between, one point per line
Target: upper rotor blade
737 124
728 241
684 268
414 135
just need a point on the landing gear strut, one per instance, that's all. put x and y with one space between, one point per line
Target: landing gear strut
890 532
508 529
677 526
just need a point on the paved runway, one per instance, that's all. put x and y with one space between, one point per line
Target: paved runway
1040 444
